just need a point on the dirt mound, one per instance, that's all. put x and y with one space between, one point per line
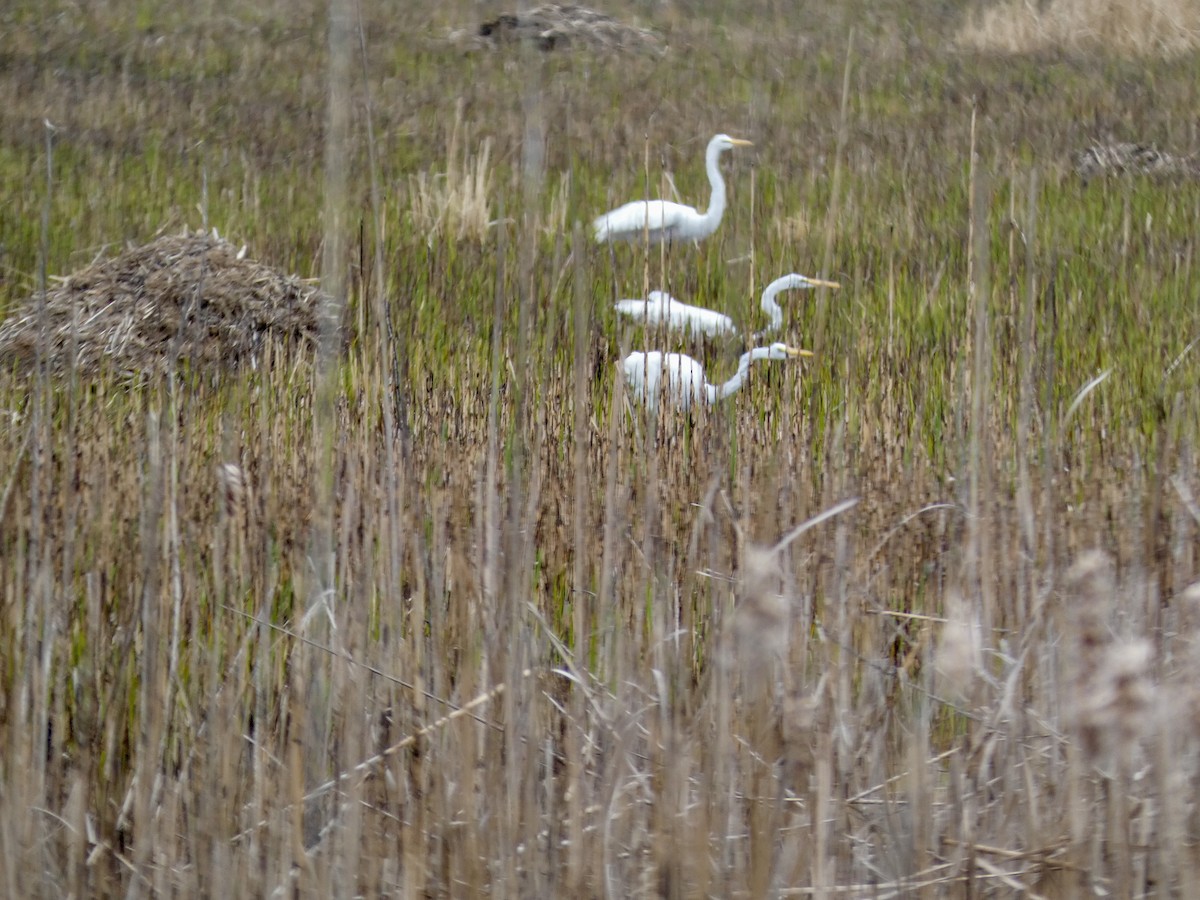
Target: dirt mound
555 26
1131 159
193 298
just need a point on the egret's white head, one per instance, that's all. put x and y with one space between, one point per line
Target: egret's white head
780 350
725 142
806 282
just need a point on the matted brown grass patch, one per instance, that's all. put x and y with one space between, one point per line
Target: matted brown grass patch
1127 27
555 26
1132 159
191 298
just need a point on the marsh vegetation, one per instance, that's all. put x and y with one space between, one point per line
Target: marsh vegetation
439 612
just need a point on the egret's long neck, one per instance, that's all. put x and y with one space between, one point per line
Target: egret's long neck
773 309
716 203
719 392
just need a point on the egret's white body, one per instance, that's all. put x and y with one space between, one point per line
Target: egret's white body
661 220
681 378
660 308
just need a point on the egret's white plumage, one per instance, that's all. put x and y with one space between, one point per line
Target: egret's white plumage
681 378
660 308
661 220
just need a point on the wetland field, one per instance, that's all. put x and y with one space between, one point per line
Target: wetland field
421 603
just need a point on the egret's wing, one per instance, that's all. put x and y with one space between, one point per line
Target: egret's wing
635 374
630 307
696 319
653 309
661 306
715 323
657 217
686 379
700 320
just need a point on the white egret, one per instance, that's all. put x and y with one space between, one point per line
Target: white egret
681 378
662 220
660 308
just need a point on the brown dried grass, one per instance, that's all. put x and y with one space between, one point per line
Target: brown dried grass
1164 28
454 203
191 298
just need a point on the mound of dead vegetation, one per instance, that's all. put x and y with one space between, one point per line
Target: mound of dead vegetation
191 299
1100 160
1132 28
556 26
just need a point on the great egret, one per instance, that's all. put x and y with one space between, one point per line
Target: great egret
685 385
662 220
660 308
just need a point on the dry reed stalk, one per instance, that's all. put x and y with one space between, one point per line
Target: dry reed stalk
1108 703
959 655
582 609
832 216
